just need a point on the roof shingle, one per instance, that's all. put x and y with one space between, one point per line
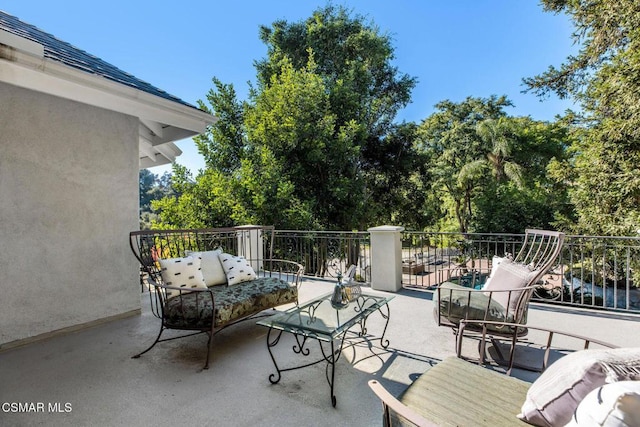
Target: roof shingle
58 50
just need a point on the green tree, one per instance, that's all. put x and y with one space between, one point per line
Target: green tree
400 194
603 78
500 136
352 63
315 145
459 155
351 55
151 187
224 143
242 182
489 169
147 180
206 201
291 117
533 198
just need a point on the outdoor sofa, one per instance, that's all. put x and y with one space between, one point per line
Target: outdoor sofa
198 282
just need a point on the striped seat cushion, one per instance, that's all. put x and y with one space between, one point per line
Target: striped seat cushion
460 393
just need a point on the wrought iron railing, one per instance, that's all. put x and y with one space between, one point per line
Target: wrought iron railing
592 271
429 259
601 272
324 254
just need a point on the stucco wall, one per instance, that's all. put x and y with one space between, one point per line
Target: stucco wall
68 199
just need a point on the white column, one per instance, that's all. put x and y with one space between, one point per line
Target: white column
386 258
250 245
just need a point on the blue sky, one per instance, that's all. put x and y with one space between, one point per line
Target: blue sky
455 48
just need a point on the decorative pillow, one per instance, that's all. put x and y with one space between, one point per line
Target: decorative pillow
237 269
555 395
211 267
182 272
509 275
495 262
612 405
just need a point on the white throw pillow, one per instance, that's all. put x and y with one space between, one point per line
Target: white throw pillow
509 275
181 272
237 269
495 262
555 395
211 267
612 405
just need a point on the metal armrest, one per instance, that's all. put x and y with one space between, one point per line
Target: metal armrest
296 268
285 267
389 402
551 333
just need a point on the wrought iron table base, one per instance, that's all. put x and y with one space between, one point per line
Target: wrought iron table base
331 357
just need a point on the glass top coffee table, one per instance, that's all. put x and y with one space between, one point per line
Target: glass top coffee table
321 321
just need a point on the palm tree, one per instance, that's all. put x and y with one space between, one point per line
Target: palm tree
499 134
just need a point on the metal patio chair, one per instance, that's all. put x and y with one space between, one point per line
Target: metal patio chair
506 295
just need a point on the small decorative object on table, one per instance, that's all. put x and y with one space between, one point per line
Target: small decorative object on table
339 299
351 287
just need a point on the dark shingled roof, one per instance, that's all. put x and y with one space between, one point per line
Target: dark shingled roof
58 50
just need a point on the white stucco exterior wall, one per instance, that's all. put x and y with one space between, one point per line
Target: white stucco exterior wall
68 199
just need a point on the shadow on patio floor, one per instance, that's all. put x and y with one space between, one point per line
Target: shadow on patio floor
90 377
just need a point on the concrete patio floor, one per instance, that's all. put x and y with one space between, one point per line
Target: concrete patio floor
88 378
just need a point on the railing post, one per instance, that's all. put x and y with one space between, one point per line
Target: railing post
386 258
250 245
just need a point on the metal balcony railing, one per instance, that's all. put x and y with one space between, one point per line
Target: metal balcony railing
592 271
324 254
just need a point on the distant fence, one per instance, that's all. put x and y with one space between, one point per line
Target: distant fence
592 271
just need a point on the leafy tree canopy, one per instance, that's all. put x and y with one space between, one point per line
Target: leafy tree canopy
353 58
482 162
603 77
315 143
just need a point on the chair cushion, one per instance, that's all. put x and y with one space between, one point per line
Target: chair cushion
211 267
459 393
555 395
459 302
236 268
195 310
181 272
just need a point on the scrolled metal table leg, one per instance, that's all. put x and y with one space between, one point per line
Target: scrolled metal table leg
331 360
273 379
385 342
300 347
331 364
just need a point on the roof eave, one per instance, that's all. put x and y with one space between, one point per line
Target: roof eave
162 121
